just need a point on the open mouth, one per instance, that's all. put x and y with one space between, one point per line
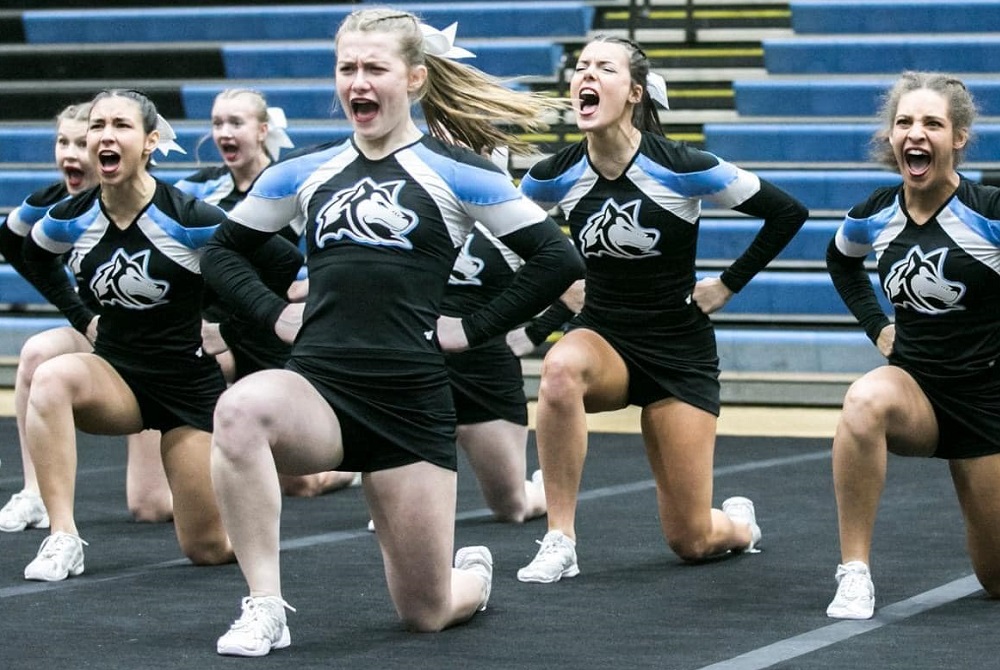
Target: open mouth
589 101
363 110
109 161
917 161
74 177
229 150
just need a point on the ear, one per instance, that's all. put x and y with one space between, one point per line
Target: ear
961 139
635 94
152 140
416 79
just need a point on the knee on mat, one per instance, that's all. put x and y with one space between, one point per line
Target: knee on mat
208 552
690 549
990 584
146 512
423 624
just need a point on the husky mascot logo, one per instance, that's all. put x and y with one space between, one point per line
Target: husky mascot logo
367 213
124 280
917 281
614 231
467 267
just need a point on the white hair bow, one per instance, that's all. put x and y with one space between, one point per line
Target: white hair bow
442 42
168 137
277 139
657 88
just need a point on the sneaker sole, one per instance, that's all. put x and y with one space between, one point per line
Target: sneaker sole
43 524
571 571
74 572
848 614
284 641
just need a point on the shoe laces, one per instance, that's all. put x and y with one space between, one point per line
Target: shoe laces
58 543
550 546
252 617
853 583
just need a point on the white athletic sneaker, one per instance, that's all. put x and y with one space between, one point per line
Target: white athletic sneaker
741 510
479 561
59 557
855 597
556 558
260 628
23 510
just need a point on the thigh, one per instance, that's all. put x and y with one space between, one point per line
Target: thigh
976 481
50 343
413 508
101 401
888 400
582 356
299 425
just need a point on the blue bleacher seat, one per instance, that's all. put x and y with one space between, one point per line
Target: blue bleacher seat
809 142
882 54
879 17
788 294
726 239
849 98
553 18
834 189
506 58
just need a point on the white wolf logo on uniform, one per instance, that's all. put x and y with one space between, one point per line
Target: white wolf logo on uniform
367 213
124 280
615 231
917 281
467 267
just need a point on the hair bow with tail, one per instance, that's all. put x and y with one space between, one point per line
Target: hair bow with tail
442 42
657 88
168 138
277 139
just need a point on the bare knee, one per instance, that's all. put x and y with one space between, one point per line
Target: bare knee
208 551
865 408
151 509
426 622
990 583
242 418
691 548
562 379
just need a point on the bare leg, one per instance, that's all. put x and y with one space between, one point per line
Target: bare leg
36 350
884 410
580 374
976 482
268 420
197 521
496 452
414 510
680 445
146 487
69 392
320 483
